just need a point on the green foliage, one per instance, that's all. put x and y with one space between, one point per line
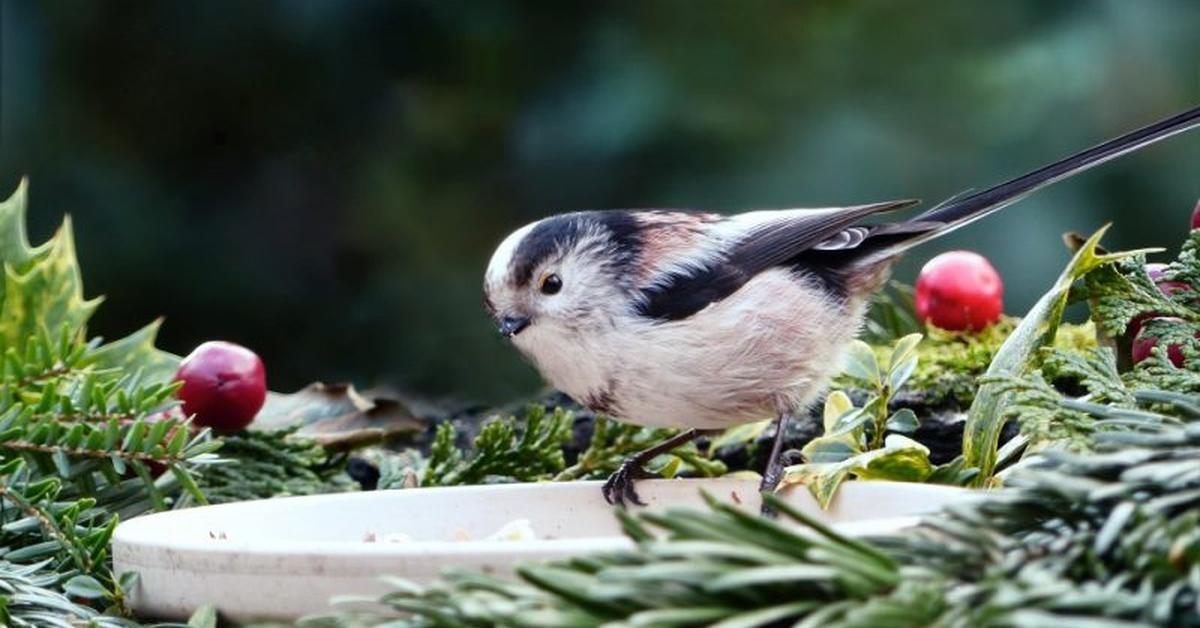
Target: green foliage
1104 539
950 362
1048 418
530 448
84 429
1123 291
277 463
891 315
1017 355
29 599
868 442
612 442
1057 405
502 452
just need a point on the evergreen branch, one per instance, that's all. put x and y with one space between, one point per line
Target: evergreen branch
19 446
29 598
261 464
502 451
48 525
612 442
44 376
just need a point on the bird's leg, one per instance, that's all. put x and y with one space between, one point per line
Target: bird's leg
774 469
619 487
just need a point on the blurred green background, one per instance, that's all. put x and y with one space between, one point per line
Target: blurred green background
325 181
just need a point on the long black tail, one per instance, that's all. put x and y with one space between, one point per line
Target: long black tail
958 212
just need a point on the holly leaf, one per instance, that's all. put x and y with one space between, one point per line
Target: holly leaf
46 296
42 294
14 241
137 351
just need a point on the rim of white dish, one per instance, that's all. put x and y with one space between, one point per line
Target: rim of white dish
134 547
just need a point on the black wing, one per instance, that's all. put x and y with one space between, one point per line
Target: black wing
769 244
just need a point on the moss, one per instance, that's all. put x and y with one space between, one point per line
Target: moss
951 362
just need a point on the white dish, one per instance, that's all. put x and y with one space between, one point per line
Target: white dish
284 558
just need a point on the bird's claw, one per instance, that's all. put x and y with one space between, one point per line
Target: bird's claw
619 487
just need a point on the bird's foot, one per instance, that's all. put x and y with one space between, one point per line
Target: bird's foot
618 489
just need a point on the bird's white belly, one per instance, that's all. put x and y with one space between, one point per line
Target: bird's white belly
770 347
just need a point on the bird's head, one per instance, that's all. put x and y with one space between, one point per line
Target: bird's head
561 275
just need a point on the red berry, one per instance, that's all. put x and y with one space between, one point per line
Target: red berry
1169 288
1156 271
1142 345
1135 326
1196 217
959 290
224 385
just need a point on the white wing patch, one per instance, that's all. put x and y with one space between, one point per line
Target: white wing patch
847 238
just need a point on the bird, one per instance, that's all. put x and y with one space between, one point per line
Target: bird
701 321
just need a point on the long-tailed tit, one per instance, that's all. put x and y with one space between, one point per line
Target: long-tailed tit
703 321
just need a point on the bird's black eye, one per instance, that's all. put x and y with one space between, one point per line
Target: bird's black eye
551 284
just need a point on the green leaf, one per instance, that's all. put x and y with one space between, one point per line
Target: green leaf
826 449
903 361
137 351
903 421
901 459
14 241
837 404
671 468
986 416
768 616
854 421
822 480
189 484
772 574
861 364
133 438
178 441
954 473
62 463
694 616
85 587
204 617
128 581
47 295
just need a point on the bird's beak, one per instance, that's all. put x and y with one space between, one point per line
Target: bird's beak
512 325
